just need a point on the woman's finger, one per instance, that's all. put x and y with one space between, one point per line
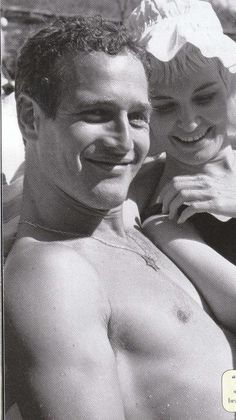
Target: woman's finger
187 196
180 184
193 208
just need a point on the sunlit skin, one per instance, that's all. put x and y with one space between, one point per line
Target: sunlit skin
99 333
99 138
190 121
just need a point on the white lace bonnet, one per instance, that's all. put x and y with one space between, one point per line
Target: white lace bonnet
164 26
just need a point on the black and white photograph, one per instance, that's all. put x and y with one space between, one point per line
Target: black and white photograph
118 209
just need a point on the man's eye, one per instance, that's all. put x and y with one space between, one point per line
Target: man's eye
204 99
96 116
139 119
164 108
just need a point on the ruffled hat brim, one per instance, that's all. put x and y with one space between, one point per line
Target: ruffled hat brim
165 27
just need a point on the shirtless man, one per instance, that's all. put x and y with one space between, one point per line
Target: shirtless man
100 324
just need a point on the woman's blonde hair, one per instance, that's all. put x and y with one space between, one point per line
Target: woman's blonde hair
188 59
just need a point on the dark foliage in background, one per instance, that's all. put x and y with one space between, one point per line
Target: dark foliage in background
26 16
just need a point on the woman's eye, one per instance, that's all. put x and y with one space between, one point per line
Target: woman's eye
164 108
204 99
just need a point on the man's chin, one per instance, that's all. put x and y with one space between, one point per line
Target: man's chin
106 201
112 203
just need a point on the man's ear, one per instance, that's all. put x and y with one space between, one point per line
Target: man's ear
28 114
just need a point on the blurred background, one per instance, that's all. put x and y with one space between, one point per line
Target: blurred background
20 17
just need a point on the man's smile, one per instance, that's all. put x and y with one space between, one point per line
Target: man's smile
112 162
114 166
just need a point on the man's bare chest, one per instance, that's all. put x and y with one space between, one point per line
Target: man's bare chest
149 303
139 265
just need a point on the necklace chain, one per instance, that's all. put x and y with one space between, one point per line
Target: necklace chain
150 261
47 229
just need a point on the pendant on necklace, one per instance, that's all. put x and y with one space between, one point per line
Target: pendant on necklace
150 262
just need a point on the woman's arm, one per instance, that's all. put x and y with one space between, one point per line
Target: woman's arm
212 274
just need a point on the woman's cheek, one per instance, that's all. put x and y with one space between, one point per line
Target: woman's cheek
158 137
162 124
217 111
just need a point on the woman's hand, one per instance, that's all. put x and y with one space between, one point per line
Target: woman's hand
200 193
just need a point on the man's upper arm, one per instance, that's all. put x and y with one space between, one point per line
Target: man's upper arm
54 302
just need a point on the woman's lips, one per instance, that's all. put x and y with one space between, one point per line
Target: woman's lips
194 138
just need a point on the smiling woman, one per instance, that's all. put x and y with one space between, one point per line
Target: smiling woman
190 107
191 89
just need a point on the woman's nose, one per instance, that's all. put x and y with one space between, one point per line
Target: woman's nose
188 120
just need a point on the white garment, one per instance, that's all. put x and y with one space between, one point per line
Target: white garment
13 153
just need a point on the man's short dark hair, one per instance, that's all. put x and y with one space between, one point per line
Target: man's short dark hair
37 72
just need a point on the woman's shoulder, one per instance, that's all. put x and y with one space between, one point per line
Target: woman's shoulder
146 181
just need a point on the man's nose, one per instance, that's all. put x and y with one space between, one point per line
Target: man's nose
188 120
122 138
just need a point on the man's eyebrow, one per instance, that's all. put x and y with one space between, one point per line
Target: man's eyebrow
94 102
143 106
205 86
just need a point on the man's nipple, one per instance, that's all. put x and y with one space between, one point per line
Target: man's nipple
183 316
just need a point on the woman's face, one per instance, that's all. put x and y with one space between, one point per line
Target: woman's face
190 116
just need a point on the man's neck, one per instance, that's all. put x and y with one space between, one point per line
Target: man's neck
47 206
221 164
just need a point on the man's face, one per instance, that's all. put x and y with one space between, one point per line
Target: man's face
100 136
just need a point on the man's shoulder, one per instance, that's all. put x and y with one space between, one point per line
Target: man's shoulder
28 248
50 289
52 255
48 265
